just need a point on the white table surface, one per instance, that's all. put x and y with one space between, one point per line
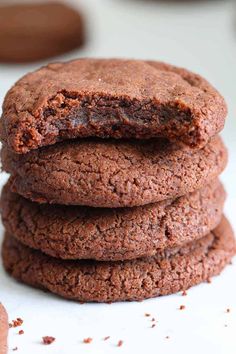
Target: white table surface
201 36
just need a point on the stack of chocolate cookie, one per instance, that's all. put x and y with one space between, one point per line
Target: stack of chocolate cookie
114 191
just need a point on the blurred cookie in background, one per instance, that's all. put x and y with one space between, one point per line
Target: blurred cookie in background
3 330
35 31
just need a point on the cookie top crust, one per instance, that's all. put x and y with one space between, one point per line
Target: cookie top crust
36 31
113 173
110 98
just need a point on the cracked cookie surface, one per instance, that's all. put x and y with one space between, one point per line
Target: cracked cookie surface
74 232
110 98
168 272
113 173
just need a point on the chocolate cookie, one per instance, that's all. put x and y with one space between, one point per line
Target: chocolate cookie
110 98
3 330
75 232
168 272
30 32
111 173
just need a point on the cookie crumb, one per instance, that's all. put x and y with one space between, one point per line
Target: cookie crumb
153 319
120 343
21 332
184 293
227 310
147 315
182 307
87 340
106 338
14 349
153 325
167 337
48 340
16 323
225 325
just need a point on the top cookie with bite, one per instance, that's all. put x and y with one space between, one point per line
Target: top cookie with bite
110 98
